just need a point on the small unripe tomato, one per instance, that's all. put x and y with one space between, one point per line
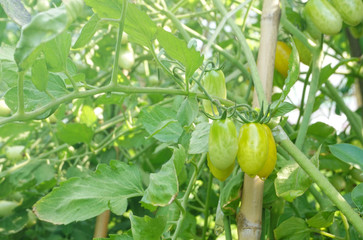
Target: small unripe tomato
282 56
324 16
357 174
42 5
253 148
271 156
221 175
304 53
126 57
222 145
214 83
124 38
4 109
350 10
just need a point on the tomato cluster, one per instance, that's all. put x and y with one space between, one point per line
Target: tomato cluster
254 148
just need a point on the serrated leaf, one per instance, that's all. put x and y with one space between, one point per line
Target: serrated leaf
43 27
357 197
161 123
348 153
16 11
293 229
322 132
178 49
40 74
88 116
73 133
200 137
283 109
188 111
56 52
87 32
322 219
292 181
164 185
147 227
78 199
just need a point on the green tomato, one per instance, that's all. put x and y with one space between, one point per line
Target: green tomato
126 58
253 148
271 156
304 53
357 174
221 175
74 8
350 10
338 182
324 16
4 109
214 83
282 55
42 5
14 153
124 39
310 26
222 145
7 207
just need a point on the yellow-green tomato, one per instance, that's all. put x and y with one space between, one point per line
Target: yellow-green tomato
222 145
126 58
350 10
214 83
324 16
271 156
253 148
7 207
283 52
4 109
221 175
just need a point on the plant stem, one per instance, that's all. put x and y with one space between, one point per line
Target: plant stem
177 24
227 227
318 178
248 53
206 206
314 85
186 196
75 87
118 42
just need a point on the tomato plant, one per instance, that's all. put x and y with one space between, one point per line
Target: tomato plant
350 11
283 52
214 83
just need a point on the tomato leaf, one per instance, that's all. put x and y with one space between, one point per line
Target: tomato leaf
16 11
105 8
79 199
293 229
13 223
230 195
87 32
348 153
178 49
73 133
322 219
161 124
200 137
87 116
188 111
283 109
147 227
322 132
56 52
357 197
164 185
40 74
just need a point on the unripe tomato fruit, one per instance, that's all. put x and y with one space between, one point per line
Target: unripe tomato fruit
222 145
338 182
324 16
304 53
42 5
4 109
126 58
221 175
214 83
310 26
357 174
271 156
282 56
253 148
350 10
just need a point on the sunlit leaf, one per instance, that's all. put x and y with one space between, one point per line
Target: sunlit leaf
147 227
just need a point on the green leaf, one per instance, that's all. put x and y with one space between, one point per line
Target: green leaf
348 153
283 109
147 227
161 123
322 132
87 32
88 116
116 237
178 49
230 195
293 229
13 223
78 199
40 74
56 52
188 111
16 11
164 185
44 27
292 181
200 137
357 197
140 28
106 8
322 219
73 133
16 129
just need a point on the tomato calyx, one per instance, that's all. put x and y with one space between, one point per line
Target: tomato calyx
255 115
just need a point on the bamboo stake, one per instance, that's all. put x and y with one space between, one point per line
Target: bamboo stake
249 219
